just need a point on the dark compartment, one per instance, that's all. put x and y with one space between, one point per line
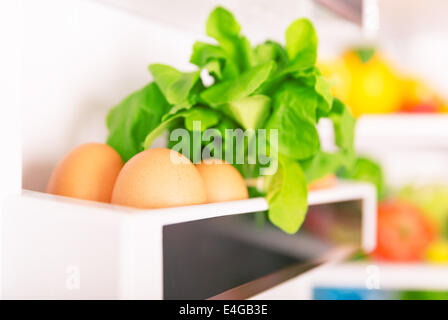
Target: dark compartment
207 257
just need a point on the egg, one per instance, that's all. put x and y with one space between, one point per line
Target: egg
158 178
87 172
222 181
327 182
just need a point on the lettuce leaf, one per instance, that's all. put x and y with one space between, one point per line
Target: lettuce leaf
367 170
215 60
271 51
250 112
344 125
286 193
222 26
294 117
297 137
130 121
207 117
238 88
320 165
301 43
176 86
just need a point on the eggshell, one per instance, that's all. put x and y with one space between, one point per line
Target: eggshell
222 181
87 172
327 182
158 178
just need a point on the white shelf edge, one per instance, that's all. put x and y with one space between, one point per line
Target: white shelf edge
404 130
344 191
411 276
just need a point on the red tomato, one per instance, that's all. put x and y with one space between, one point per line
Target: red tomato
404 232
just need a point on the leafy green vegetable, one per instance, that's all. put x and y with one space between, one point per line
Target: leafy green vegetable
306 77
366 170
344 125
251 112
215 60
222 26
130 121
271 51
301 43
323 90
207 118
365 53
269 86
165 76
175 85
298 138
344 130
322 164
203 53
238 88
302 99
314 79
294 117
286 193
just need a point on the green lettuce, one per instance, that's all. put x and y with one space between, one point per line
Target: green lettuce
266 86
287 195
130 121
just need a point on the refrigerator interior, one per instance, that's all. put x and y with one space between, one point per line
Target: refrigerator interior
73 69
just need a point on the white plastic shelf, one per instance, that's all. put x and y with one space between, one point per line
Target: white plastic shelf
117 250
392 276
423 131
373 275
369 275
411 148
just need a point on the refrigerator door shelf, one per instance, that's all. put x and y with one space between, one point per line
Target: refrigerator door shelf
58 247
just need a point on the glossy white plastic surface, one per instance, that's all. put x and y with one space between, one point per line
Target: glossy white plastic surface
62 248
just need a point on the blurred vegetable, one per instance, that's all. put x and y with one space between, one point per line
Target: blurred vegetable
418 97
404 233
437 252
433 200
443 105
366 170
424 295
365 53
365 81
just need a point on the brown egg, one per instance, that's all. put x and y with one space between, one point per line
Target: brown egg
222 181
327 182
87 172
158 178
